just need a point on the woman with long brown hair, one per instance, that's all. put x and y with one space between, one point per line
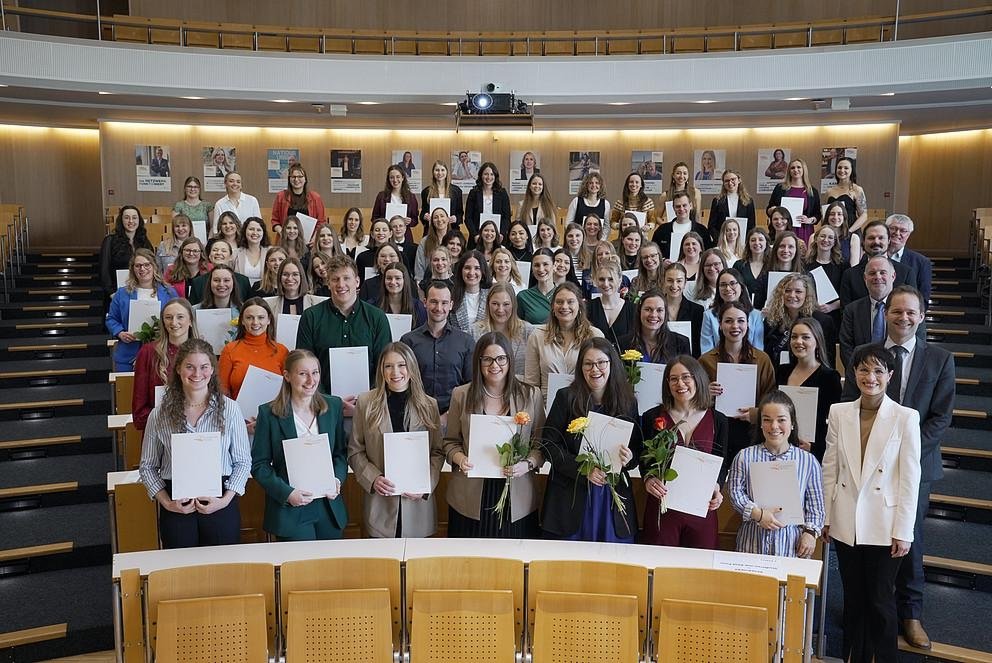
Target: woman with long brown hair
396 190
296 198
441 187
156 359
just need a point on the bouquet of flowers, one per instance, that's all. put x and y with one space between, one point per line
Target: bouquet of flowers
232 333
511 453
630 359
659 451
594 458
148 331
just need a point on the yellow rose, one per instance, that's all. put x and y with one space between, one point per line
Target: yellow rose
578 425
631 355
235 321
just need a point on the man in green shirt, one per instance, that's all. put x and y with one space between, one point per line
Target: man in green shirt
343 321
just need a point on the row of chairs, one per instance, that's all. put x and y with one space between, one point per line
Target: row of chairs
981 250
13 244
459 608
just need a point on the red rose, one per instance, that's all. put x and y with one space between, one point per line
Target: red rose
659 423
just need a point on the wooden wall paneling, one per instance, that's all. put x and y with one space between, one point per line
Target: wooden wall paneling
526 15
52 172
878 148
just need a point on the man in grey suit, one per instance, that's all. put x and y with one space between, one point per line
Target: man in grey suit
923 380
900 228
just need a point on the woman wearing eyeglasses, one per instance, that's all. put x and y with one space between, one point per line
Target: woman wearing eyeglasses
143 282
296 198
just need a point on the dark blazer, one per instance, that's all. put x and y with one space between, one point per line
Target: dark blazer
566 491
268 466
473 208
776 338
922 270
408 255
692 312
379 207
827 380
663 237
675 345
720 212
621 327
199 285
852 283
855 328
929 391
720 432
456 206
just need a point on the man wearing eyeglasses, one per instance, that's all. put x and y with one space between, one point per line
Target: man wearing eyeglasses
444 352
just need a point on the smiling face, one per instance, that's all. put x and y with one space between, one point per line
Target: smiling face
303 377
872 378
731 231
191 256
273 260
733 325
395 372
253 232
835 217
779 222
674 283
634 184
471 273
540 267
297 179
606 281
536 186
903 317
319 269
826 238
562 265
144 271
397 227
796 171
652 315
691 248
228 228
843 170
352 222
325 239
899 233
395 178
682 208
681 176
501 266
488 177
380 232
879 278
757 243
343 284
786 251
650 258
180 229
255 320
546 233
440 264
195 372
440 221
594 185
177 321
518 237
500 308
631 243
221 284
681 385
529 160
794 295
440 173
438 304
488 234
731 182
573 240
708 161
130 219
455 246
776 424
385 257
802 342
712 268
728 288
592 227
596 369
876 240
393 281
232 184
291 230
494 364
220 253
290 280
565 307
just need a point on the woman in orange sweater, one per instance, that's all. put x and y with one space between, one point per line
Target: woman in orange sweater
254 344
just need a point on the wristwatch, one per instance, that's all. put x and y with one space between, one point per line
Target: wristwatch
530 465
809 530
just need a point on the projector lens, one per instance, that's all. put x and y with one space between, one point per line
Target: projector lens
482 101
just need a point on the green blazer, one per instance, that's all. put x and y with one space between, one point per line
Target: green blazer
199 285
269 469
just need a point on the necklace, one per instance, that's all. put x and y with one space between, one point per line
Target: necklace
490 395
198 405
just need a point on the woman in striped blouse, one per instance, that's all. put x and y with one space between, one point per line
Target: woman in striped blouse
777 440
193 403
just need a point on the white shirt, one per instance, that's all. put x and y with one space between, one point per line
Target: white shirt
679 231
146 293
907 361
732 204
487 204
303 428
897 256
472 306
246 208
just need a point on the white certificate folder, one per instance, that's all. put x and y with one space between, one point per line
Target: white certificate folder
196 465
488 431
309 464
408 462
349 371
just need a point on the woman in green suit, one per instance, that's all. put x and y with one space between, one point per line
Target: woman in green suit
292 514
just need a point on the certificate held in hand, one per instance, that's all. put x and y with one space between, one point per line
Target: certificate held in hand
740 386
408 462
692 490
309 464
775 486
196 465
259 387
486 432
141 311
608 434
349 369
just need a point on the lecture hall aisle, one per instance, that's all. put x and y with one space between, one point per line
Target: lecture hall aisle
55 452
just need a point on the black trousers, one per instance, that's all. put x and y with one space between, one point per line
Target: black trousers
910 580
868 574
181 530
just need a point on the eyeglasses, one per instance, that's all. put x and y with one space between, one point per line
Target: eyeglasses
501 360
675 379
297 177
191 252
142 265
729 285
601 364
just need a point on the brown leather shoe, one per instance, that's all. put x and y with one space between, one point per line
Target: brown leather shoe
913 631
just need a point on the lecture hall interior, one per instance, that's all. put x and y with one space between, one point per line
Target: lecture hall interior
877 112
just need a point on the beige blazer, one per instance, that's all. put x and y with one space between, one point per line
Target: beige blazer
544 358
464 494
365 456
872 502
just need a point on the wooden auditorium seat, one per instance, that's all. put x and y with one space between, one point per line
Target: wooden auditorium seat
339 626
572 627
462 625
213 629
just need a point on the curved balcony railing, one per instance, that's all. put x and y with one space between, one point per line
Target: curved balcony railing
175 32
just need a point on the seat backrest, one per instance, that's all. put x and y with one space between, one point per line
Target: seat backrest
701 631
340 625
135 517
589 578
207 581
716 586
123 393
132 446
344 573
208 630
462 625
585 628
468 573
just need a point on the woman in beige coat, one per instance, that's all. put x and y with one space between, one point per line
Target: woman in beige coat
396 404
494 390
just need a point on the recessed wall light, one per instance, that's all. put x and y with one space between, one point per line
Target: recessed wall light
368 103
706 101
619 103
194 98
795 98
450 103
887 94
282 101
102 92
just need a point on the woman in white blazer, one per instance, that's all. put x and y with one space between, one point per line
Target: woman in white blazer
871 477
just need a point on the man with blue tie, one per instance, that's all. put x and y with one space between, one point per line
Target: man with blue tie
864 319
923 379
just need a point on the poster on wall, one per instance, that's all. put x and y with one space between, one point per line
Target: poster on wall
346 171
773 166
465 168
217 163
522 166
708 166
278 162
151 167
580 164
649 164
828 164
412 163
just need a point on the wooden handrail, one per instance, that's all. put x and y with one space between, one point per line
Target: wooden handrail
584 42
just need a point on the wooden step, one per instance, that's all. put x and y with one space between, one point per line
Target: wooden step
36 405
43 374
57 307
58 265
974 414
948 652
47 348
52 325
40 442
59 291
971 453
12 554
38 489
30 635
967 502
957 565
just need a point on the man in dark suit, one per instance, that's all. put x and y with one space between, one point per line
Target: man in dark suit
876 243
923 380
679 227
900 228
863 320
160 164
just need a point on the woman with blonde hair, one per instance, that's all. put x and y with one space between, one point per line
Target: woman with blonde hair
156 360
554 346
441 187
680 182
591 199
397 404
731 241
300 410
191 263
501 316
537 204
794 298
504 269
797 185
604 252
440 223
168 249
733 202
143 282
650 274
269 283
291 239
